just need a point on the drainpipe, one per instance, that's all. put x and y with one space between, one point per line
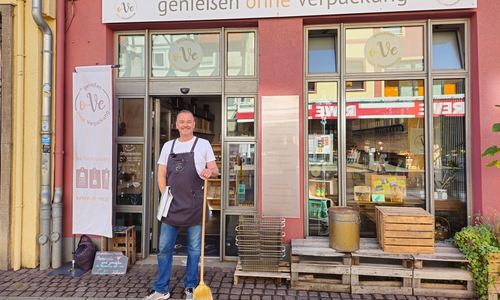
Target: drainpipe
57 205
45 205
19 137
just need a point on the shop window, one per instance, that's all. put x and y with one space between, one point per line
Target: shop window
385 148
385 49
131 219
129 174
322 155
447 49
449 157
354 86
322 51
241 176
240 116
185 55
311 87
130 117
240 54
131 55
396 30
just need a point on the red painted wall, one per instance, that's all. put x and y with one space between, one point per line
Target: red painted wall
88 42
281 60
281 72
485 65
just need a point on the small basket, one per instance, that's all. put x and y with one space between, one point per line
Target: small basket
442 228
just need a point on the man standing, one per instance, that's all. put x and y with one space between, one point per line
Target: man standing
382 155
186 162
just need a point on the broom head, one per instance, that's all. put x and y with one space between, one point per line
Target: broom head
202 292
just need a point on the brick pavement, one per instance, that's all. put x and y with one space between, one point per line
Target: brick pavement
135 284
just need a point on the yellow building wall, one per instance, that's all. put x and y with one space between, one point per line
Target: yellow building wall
27 149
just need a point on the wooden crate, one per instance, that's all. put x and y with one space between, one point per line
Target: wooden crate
374 271
494 271
122 241
317 267
441 273
405 229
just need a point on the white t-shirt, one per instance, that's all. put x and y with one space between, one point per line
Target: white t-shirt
203 152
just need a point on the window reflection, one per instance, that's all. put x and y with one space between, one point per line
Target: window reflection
447 49
129 174
241 175
187 55
449 156
131 219
131 55
385 147
240 116
241 54
322 51
384 49
130 117
322 154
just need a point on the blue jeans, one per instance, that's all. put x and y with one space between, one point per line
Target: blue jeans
168 235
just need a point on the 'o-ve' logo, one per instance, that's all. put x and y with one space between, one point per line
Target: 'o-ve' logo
448 2
185 54
125 9
384 50
92 104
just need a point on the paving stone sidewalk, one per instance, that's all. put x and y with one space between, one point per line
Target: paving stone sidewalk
135 284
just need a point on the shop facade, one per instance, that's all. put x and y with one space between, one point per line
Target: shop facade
305 111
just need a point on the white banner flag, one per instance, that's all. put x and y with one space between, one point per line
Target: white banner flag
92 150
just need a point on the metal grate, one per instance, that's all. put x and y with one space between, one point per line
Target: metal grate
259 241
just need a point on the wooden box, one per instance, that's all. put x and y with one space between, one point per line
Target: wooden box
405 229
494 272
122 241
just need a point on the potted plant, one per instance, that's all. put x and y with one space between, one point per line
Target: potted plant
480 245
441 186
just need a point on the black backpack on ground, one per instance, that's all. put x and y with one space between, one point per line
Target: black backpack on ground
85 253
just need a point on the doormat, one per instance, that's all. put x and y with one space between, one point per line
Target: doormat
67 270
212 247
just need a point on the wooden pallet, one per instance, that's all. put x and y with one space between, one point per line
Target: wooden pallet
316 266
282 273
377 272
370 270
439 274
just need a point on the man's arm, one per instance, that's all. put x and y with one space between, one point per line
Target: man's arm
211 171
162 177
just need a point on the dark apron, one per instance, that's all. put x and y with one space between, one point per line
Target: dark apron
187 189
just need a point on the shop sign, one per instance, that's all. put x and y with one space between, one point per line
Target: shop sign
378 110
92 151
280 148
185 55
125 11
384 49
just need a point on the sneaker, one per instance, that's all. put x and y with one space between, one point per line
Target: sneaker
189 293
153 295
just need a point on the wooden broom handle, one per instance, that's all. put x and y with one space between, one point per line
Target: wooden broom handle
205 187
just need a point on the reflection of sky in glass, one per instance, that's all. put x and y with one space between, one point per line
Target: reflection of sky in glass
445 57
322 61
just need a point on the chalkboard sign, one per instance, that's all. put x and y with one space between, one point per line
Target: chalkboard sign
110 262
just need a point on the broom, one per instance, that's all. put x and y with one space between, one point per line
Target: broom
203 291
